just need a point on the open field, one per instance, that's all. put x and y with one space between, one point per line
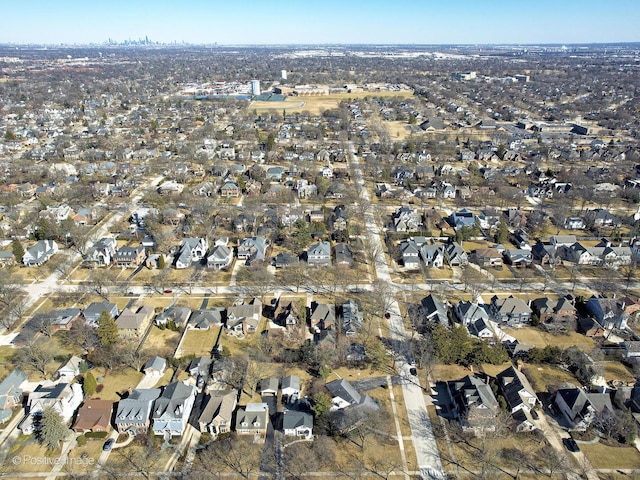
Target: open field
115 383
538 338
602 456
198 342
159 341
317 105
544 377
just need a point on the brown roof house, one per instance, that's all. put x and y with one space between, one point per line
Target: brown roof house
94 416
134 323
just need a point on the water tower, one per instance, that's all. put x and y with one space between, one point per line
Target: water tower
255 87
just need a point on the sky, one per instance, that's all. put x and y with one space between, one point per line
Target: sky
250 22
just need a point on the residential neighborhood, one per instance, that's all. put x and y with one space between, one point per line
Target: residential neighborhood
407 263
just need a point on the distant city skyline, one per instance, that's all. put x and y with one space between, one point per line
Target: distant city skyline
327 22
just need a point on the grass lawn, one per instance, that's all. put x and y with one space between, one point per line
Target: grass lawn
504 274
439 274
449 372
32 450
617 371
91 451
542 377
116 382
602 456
493 370
316 105
159 341
538 338
398 130
198 342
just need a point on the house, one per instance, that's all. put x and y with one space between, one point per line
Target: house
351 318
64 398
94 310
94 416
590 327
461 219
404 219
133 412
319 254
130 257
48 322
455 255
486 257
608 312
252 420
433 255
517 390
269 387
468 312
172 409
101 253
204 319
40 253
243 318
11 389
517 257
482 328
285 314
343 255
200 366
220 256
216 415
580 408
410 254
601 217
134 323
252 249
545 254
489 218
432 311
474 403
70 370
191 250
230 188
510 310
7 258
343 394
284 259
316 216
155 366
290 387
562 240
575 223
323 316
177 315
297 424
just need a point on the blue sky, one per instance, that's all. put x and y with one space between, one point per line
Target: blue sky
329 21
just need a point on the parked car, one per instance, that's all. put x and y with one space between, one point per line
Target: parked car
571 445
108 444
413 371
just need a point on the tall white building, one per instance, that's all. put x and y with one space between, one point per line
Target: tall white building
283 74
255 87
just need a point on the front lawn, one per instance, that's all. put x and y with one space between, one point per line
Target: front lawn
602 456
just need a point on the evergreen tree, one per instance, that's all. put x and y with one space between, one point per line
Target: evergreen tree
52 429
18 251
107 330
161 262
90 385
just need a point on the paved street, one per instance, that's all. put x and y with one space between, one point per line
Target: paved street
427 454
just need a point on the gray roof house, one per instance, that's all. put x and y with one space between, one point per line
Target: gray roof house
252 420
319 254
351 318
64 398
178 315
11 389
410 254
172 409
269 386
343 254
608 312
220 257
432 310
323 315
474 403
40 253
252 249
455 255
133 412
205 319
462 218
70 370
155 366
95 309
297 424
290 386
101 253
468 312
215 417
511 310
581 408
192 250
